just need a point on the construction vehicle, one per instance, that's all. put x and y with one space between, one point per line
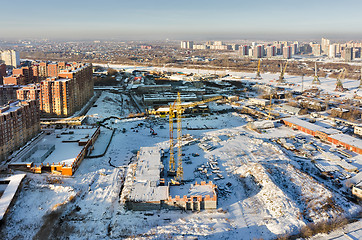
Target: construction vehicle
339 84
316 78
258 75
282 72
152 131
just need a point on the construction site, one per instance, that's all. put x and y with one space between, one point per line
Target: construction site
214 155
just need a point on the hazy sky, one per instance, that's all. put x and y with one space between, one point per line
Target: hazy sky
184 19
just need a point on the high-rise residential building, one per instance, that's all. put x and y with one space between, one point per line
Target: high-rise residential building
280 47
305 49
19 122
15 80
82 74
347 54
29 92
7 93
356 52
2 72
187 44
332 53
10 58
271 51
258 51
57 97
244 50
295 48
63 94
235 47
325 45
251 52
287 52
316 49
27 72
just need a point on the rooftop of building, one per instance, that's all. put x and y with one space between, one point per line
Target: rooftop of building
192 190
352 141
147 177
10 107
311 126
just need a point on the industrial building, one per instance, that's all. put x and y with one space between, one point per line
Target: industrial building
326 134
144 189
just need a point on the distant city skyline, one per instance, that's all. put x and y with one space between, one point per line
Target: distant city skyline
194 20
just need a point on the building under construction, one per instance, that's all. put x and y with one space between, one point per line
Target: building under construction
145 189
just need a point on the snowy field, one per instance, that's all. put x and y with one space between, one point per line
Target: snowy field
262 192
110 104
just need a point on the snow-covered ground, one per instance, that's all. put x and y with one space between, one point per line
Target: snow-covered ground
110 104
293 82
250 171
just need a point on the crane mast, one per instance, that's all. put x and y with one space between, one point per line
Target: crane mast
282 72
258 75
316 78
171 168
339 84
360 81
180 171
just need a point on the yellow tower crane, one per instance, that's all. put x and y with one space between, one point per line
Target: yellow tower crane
282 72
258 75
171 168
316 78
339 84
180 170
172 171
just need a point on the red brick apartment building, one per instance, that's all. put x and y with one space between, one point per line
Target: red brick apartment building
29 92
57 97
2 72
19 122
27 72
7 93
15 80
69 88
